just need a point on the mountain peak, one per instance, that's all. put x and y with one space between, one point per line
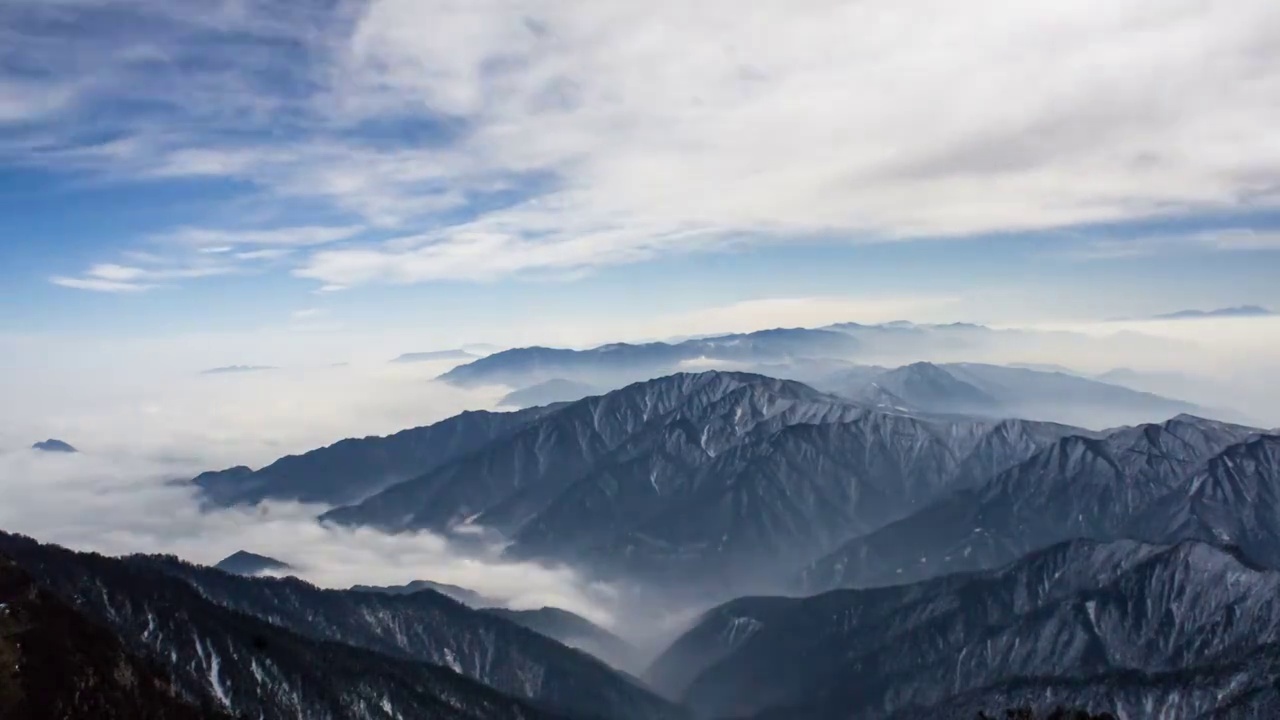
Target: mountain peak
243 562
54 445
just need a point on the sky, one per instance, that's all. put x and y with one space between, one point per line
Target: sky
313 179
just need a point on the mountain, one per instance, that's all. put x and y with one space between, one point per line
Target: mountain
695 479
1040 632
54 446
470 598
555 390
434 355
59 664
242 562
1238 311
620 363
925 385
246 665
1184 478
352 469
793 353
234 369
287 649
577 632
1004 391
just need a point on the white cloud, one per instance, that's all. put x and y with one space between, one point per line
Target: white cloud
628 131
206 238
1228 240
750 315
98 284
112 278
140 430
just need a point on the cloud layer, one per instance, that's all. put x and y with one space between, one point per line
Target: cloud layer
488 139
119 496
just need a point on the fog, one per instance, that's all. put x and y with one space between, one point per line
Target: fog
136 438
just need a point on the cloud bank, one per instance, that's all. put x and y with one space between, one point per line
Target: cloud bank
488 139
118 494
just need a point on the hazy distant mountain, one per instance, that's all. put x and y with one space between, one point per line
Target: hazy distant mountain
1238 311
1184 478
792 353
352 469
470 598
576 631
1082 623
246 563
546 393
709 478
231 369
280 648
60 664
621 363
434 355
54 446
1003 391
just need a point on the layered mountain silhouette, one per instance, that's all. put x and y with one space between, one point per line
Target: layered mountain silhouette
1006 392
548 392
1120 627
575 631
805 354
1184 478
470 598
283 648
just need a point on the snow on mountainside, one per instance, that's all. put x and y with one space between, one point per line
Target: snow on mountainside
732 474
60 664
1184 478
1041 631
284 648
248 666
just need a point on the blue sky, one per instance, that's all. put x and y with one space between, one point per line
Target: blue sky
569 172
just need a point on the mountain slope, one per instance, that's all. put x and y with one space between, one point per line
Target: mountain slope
769 504
511 481
555 390
1006 392
576 632
430 627
1134 482
707 478
352 469
58 664
1069 613
246 665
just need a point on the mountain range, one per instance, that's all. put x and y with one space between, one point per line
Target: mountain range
701 478
1137 630
1184 478
806 354
1006 392
276 648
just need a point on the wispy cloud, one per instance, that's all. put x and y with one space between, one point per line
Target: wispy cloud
222 240
113 278
1227 240
567 136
